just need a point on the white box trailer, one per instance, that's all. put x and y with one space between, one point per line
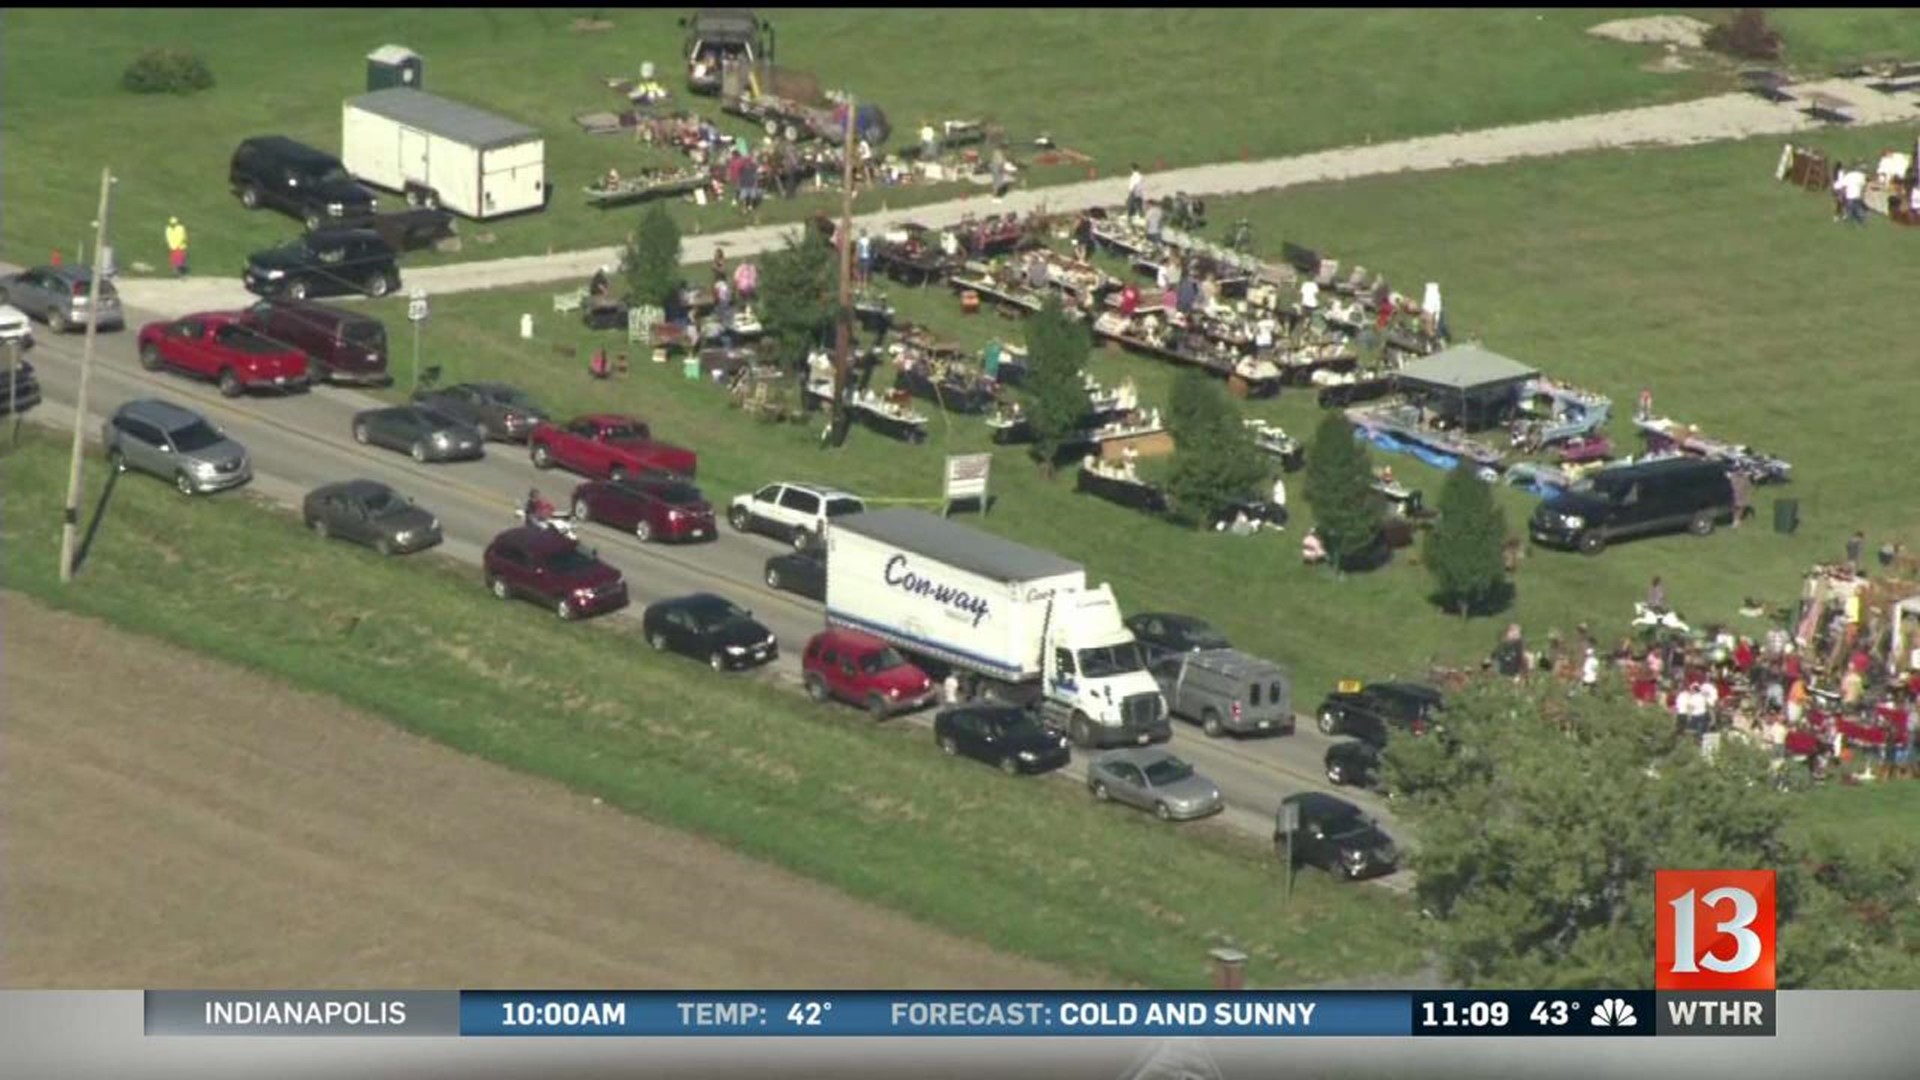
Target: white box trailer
1011 614
443 153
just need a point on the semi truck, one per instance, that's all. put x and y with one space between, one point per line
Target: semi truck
1023 624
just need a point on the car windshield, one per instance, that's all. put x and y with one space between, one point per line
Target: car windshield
718 614
382 502
1022 726
885 660
438 419
570 561
678 494
1168 771
509 395
1206 637
366 335
332 175
842 507
244 339
1346 823
198 435
1110 661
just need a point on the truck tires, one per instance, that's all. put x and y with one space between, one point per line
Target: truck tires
1080 730
816 689
1210 723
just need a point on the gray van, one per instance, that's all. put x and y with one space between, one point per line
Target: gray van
176 443
1226 690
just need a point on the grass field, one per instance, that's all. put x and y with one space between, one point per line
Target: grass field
1028 867
1160 86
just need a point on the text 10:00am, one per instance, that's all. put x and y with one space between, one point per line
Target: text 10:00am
563 1014
1478 1014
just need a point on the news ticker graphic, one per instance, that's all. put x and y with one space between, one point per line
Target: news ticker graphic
1235 1014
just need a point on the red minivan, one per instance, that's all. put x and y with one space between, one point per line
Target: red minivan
865 670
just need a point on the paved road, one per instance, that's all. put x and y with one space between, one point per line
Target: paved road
302 441
1712 119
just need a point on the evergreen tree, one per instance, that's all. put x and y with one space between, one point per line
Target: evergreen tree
799 292
1055 393
1339 489
651 261
1464 552
1215 460
1542 817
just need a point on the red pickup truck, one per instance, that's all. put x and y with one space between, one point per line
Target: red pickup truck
607 445
224 347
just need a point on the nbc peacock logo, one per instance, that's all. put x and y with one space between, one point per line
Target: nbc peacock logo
1613 1012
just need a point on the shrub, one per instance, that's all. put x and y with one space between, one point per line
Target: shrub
1747 36
167 71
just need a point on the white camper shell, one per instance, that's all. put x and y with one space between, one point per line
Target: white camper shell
1011 614
442 153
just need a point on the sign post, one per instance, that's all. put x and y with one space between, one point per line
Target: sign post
1290 824
416 314
966 481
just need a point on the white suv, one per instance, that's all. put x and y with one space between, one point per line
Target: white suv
795 513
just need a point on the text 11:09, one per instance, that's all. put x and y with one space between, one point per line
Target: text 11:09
1480 1014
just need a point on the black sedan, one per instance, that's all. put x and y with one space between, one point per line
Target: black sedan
710 628
1001 735
497 411
427 434
1161 633
802 572
371 513
1355 762
1334 835
1374 710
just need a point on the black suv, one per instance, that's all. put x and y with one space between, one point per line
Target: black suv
1664 495
310 184
1370 712
1335 836
329 262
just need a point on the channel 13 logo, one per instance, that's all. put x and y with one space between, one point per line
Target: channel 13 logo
1716 929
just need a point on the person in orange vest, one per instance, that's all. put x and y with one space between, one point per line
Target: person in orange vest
177 246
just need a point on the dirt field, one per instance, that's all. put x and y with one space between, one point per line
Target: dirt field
166 821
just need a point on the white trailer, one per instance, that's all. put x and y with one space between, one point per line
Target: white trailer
439 152
1014 615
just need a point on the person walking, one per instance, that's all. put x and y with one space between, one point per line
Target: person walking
863 257
1002 174
1856 547
1853 188
1657 597
1136 192
177 246
1742 496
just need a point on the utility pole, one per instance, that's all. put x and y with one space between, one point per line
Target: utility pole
69 526
843 338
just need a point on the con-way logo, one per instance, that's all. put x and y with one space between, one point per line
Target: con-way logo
898 576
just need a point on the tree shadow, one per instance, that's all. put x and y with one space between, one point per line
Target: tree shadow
99 516
1499 600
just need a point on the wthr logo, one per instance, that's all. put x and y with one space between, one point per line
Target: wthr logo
1716 929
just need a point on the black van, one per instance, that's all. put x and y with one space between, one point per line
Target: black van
290 176
1688 493
345 346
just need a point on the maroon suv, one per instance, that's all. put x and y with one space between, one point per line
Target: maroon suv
540 564
650 508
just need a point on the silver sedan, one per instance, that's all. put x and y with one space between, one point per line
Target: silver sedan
1153 779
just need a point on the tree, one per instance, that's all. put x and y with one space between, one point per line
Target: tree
651 261
1055 392
799 294
1339 489
1466 550
1215 460
1542 818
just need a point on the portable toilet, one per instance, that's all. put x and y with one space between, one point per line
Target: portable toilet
394 65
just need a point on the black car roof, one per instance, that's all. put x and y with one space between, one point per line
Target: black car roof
1405 689
292 150
324 235
1320 804
1658 467
1189 622
360 489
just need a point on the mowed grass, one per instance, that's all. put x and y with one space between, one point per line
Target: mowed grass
1164 87
1690 271
1031 867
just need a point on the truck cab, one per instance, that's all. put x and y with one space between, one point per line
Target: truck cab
1096 682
